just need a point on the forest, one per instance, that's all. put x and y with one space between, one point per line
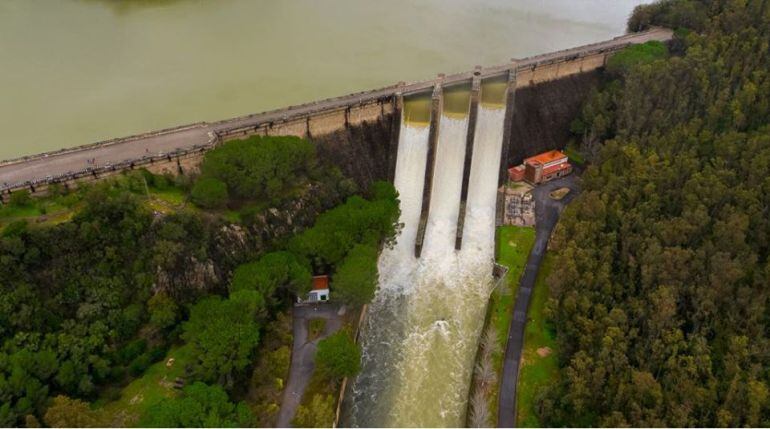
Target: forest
88 304
661 279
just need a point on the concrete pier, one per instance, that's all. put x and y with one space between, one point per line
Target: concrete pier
435 118
395 131
469 142
510 107
318 118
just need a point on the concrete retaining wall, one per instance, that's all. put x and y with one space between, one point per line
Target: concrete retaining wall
182 161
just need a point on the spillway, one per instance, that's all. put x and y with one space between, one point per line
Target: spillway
421 332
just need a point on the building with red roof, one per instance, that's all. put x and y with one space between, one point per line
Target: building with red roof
320 290
542 168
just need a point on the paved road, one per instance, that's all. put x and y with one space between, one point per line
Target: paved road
547 213
303 354
74 160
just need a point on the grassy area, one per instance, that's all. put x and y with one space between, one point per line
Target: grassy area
49 210
53 209
540 362
513 246
633 55
155 384
315 328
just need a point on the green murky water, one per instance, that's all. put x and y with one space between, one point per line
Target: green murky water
78 71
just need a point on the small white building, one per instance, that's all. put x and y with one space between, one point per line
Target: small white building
320 290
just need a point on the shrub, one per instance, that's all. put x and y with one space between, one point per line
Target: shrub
209 193
199 406
355 281
132 350
319 414
21 198
139 365
272 271
338 356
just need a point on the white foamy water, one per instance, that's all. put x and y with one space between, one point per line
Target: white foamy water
422 330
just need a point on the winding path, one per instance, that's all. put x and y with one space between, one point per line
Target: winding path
303 354
547 212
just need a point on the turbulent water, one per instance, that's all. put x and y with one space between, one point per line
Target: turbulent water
77 71
422 330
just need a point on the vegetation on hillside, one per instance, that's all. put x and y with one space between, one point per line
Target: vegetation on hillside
89 305
660 285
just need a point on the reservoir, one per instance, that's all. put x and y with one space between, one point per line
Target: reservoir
78 71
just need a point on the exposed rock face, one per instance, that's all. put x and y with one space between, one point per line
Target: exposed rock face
544 112
229 245
198 275
361 151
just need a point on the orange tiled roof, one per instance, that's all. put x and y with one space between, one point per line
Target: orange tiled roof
546 157
320 282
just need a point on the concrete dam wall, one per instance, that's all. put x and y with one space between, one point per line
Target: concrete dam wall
543 113
359 132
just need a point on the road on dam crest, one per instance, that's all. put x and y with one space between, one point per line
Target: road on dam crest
37 168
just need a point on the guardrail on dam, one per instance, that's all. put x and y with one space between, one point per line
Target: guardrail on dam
181 148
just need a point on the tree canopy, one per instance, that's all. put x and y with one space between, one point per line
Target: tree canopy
200 405
272 271
356 278
338 356
224 333
259 167
660 291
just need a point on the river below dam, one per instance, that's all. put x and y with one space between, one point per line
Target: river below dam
78 71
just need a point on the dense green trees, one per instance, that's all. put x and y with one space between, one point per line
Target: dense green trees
355 280
199 405
263 168
70 296
273 271
660 294
339 229
338 356
94 301
209 192
224 334
348 237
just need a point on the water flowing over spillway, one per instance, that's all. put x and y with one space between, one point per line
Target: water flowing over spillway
421 332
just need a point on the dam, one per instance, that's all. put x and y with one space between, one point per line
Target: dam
419 339
445 143
175 149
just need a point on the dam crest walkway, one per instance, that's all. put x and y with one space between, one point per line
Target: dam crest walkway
39 169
